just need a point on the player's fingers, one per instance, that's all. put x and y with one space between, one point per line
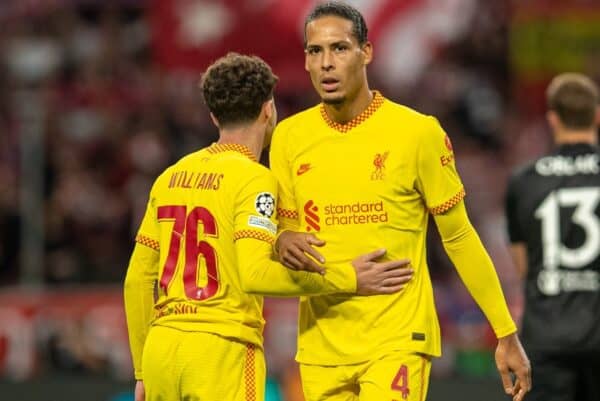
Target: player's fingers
292 259
393 264
312 252
506 379
313 240
390 289
290 262
518 391
394 281
371 256
306 263
524 377
405 272
520 396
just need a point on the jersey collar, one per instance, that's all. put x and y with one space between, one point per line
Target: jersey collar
356 121
575 148
231 147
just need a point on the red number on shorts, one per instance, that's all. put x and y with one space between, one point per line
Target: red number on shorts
193 250
400 382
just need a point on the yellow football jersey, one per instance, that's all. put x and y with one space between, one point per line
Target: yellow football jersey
197 209
367 184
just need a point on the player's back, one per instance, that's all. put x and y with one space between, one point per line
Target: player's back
553 205
195 201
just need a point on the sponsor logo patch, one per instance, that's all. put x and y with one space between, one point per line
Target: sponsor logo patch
262 222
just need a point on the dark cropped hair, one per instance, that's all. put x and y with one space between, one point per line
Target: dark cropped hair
574 97
236 86
342 10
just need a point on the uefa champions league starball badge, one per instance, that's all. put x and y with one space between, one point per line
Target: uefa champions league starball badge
265 204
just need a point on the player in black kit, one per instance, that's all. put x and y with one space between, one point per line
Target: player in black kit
553 213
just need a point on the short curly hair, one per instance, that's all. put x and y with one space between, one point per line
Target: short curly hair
344 11
236 86
575 98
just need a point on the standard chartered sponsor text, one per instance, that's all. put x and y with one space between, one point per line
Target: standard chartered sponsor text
355 213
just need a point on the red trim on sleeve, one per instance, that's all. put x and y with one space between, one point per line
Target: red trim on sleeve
147 241
287 213
449 204
253 234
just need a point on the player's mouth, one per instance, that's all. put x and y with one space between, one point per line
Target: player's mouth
330 84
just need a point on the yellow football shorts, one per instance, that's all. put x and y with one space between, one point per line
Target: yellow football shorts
185 365
398 376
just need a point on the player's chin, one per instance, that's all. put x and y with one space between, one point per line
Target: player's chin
332 98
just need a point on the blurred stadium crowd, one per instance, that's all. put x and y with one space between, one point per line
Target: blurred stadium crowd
112 112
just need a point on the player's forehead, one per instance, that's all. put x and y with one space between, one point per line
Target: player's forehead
329 29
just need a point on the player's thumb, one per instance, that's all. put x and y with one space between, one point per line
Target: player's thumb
372 256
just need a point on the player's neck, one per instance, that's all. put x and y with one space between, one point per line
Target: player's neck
350 109
249 136
569 137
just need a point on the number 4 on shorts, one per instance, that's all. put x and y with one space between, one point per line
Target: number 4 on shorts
400 382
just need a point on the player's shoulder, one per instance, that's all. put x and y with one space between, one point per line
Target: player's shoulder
416 122
524 169
523 175
417 129
299 120
405 113
241 168
179 164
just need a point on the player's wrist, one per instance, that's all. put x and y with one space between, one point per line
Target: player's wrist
508 337
276 241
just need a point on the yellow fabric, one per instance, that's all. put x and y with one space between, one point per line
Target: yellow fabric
369 187
396 376
475 267
180 365
259 275
139 300
211 218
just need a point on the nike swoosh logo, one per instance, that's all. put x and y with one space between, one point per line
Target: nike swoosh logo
303 168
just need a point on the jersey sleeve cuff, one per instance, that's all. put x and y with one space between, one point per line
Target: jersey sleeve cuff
505 330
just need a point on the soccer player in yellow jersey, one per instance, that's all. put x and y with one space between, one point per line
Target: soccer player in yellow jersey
205 241
361 171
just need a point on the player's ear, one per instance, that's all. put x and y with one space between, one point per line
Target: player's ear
598 116
214 120
552 118
268 109
367 51
306 60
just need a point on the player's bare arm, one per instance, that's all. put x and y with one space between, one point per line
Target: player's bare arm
140 393
518 251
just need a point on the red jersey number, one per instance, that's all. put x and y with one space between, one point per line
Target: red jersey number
193 250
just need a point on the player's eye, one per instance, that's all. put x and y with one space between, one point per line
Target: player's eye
313 50
340 48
